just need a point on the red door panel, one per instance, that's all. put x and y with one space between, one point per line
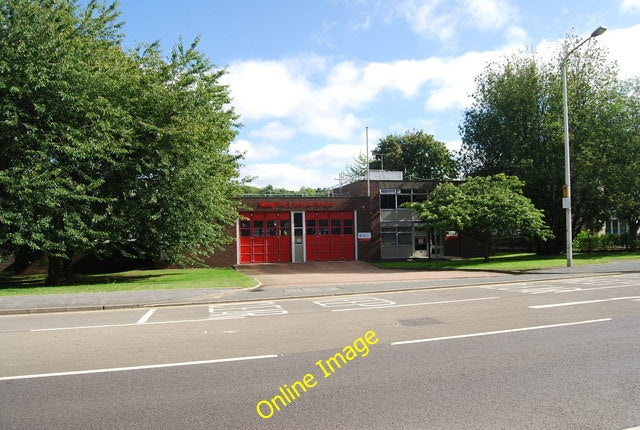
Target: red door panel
330 236
311 232
336 236
265 237
348 237
284 237
324 237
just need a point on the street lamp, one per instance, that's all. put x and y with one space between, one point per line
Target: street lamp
566 190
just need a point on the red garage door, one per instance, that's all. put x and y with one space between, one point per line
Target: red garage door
265 237
329 236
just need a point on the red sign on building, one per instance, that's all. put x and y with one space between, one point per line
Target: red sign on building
296 204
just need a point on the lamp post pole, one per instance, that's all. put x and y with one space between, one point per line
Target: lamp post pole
566 190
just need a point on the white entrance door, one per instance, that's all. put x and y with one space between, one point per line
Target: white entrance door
297 220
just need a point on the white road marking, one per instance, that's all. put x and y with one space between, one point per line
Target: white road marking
557 305
414 304
144 367
235 311
146 316
596 288
116 325
360 301
487 333
238 311
568 286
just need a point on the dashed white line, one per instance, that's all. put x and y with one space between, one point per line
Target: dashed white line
144 367
35 330
413 304
557 305
488 333
146 316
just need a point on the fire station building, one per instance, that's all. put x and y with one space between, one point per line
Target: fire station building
362 220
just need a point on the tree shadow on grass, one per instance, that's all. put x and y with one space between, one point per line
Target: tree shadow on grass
11 281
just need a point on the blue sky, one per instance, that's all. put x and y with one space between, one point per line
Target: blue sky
307 76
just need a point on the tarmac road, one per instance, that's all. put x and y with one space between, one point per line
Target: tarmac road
554 352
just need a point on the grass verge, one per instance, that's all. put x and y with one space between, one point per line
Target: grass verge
165 279
509 262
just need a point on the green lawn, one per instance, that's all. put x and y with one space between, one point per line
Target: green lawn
165 279
226 277
509 262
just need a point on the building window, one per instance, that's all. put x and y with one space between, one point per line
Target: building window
396 242
285 227
311 227
405 236
335 226
388 237
348 226
402 199
387 201
394 199
616 226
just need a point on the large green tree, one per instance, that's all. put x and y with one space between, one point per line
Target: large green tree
103 149
620 158
173 187
415 153
482 207
515 126
59 126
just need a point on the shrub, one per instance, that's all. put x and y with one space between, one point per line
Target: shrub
587 242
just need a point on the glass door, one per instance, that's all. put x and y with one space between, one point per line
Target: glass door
298 237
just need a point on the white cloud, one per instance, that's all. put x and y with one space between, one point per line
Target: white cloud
336 125
374 136
423 19
331 155
439 19
621 44
454 145
254 151
323 99
362 25
488 14
630 6
315 98
406 76
274 130
288 176
454 78
266 89
516 35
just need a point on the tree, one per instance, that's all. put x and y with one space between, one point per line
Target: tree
58 125
621 152
359 167
173 188
417 154
356 171
101 149
482 207
515 127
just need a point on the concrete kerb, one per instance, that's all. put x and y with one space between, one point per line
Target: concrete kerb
221 299
478 281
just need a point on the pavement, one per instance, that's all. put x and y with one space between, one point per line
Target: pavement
292 280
